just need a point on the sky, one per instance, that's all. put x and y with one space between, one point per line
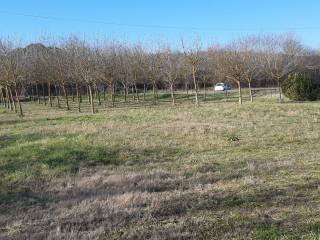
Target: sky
160 20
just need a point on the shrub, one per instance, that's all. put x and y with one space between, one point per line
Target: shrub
300 87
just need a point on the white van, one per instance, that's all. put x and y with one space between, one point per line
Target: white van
222 87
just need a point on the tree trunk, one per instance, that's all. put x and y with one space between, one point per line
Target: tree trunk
66 96
78 97
32 94
187 88
154 93
80 94
136 90
104 93
49 94
240 93
205 91
125 92
98 96
1 96
132 91
9 103
19 103
279 89
144 92
38 95
57 96
113 94
72 92
95 89
4 96
44 95
195 84
250 90
13 101
91 99
172 94
88 94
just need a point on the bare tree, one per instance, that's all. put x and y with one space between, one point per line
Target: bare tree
139 68
154 72
250 55
60 63
71 52
194 58
171 68
107 66
12 69
232 65
85 66
282 55
124 69
208 69
212 66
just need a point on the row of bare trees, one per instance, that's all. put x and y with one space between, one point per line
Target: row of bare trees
48 72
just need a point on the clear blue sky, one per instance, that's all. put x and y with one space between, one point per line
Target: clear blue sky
219 20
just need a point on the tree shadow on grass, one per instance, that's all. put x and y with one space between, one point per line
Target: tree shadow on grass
12 122
12 139
33 162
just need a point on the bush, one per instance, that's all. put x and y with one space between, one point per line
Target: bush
299 87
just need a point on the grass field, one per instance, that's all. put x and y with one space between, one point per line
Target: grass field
219 171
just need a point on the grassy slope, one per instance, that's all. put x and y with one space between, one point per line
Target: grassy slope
162 172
